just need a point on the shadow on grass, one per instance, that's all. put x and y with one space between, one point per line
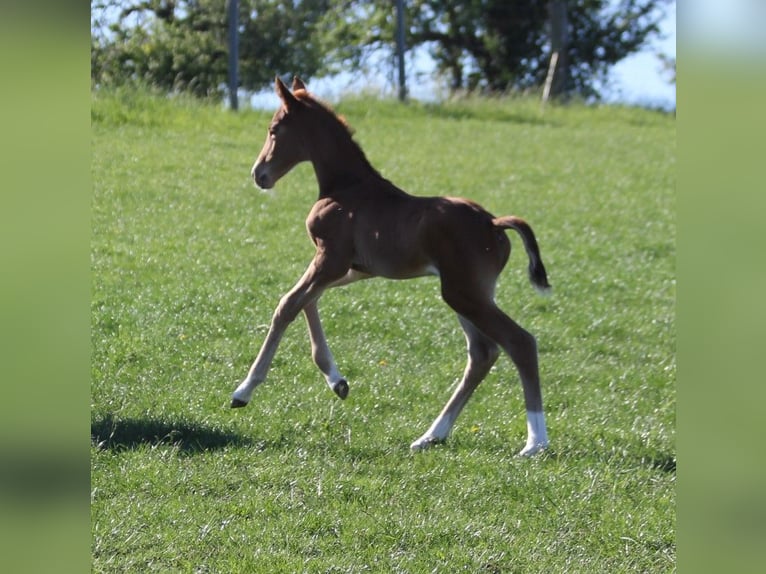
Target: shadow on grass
110 433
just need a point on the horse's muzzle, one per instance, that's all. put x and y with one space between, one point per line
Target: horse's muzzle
261 176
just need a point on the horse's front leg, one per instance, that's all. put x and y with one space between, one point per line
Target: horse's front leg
305 292
320 351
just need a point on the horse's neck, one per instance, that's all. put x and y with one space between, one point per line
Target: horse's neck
339 164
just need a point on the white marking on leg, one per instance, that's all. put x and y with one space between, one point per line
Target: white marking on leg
537 434
244 391
437 432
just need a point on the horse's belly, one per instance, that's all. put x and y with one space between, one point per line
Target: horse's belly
396 270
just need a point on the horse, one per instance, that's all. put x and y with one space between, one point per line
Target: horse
363 226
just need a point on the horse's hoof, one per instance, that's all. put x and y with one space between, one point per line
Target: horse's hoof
532 449
425 442
236 403
341 389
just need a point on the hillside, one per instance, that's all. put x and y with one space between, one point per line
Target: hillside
189 260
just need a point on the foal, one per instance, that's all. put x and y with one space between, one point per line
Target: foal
364 226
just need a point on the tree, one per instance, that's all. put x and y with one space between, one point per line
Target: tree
478 45
500 45
182 44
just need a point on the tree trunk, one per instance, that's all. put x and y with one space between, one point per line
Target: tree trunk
559 33
233 21
400 49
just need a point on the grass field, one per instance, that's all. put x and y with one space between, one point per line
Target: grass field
189 260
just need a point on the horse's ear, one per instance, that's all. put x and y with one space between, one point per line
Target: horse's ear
284 94
298 84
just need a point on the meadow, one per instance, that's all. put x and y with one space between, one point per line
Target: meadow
189 259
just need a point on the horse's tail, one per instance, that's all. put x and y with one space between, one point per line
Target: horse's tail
537 274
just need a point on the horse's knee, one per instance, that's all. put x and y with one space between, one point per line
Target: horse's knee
285 313
523 349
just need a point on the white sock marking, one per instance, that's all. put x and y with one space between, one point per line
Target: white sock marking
537 434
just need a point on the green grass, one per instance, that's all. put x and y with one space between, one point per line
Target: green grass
189 260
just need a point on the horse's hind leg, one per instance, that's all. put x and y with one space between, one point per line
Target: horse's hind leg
482 354
520 345
321 353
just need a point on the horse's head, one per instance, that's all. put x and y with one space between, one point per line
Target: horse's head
284 146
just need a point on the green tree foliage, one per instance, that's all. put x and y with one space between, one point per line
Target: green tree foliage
182 44
478 45
500 45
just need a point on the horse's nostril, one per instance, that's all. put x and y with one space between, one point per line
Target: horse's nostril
258 176
261 180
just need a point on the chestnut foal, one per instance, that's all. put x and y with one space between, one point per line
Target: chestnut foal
364 226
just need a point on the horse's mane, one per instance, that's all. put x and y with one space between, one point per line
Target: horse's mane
314 102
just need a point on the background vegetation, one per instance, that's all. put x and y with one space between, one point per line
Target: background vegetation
189 259
478 45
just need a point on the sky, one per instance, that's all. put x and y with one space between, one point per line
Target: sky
640 78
